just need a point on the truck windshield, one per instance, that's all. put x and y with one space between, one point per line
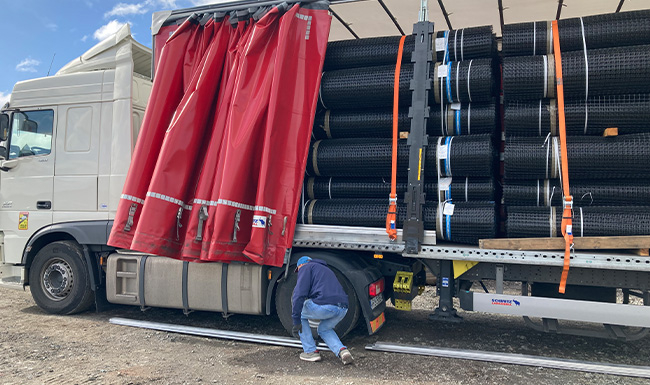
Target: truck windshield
31 133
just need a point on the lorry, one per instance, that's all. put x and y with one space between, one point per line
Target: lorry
68 141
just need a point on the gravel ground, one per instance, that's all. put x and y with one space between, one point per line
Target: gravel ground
38 348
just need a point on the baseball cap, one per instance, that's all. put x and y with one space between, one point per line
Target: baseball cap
301 262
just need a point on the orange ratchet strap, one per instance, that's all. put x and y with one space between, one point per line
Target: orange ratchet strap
567 199
391 217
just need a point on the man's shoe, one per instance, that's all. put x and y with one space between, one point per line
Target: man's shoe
311 357
346 356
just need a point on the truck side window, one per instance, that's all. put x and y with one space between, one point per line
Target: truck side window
31 133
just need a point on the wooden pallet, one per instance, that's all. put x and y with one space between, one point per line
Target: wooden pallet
639 243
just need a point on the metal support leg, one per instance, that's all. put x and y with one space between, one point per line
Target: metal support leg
446 288
499 278
524 288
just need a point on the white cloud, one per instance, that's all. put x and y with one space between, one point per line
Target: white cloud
204 2
123 9
84 38
27 65
4 98
107 29
52 27
168 4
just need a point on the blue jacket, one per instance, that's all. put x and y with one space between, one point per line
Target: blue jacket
316 282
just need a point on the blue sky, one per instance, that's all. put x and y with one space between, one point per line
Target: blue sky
36 31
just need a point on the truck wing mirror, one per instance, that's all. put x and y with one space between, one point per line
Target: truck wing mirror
7 165
4 127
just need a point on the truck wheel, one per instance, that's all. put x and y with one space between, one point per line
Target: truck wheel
59 279
283 304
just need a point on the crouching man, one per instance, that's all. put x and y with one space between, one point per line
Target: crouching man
318 295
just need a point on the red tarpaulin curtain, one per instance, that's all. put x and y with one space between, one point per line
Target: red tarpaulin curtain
222 179
198 232
296 75
235 181
174 178
166 94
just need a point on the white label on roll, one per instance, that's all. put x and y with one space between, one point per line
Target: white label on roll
440 44
444 183
448 209
442 71
442 152
455 106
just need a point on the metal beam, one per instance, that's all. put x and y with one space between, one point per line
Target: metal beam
390 14
346 25
620 5
516 359
444 13
233 5
561 309
587 260
213 333
352 238
559 9
501 13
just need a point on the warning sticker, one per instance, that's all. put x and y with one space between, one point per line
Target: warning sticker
259 221
23 220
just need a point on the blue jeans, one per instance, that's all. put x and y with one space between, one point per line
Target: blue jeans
329 316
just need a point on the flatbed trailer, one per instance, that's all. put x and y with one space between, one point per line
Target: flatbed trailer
372 268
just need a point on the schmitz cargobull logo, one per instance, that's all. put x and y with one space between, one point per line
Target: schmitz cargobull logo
505 302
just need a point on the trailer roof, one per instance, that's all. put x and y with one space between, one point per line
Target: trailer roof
368 18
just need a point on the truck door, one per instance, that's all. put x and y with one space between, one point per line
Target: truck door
26 180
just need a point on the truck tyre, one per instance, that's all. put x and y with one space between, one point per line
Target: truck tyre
58 279
283 304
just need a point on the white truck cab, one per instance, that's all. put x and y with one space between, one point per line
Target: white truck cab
66 147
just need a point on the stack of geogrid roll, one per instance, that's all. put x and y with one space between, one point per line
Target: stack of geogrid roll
606 77
349 167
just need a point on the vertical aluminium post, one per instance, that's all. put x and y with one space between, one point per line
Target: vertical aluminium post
418 140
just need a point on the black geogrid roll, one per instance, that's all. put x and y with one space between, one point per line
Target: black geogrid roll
469 222
366 123
469 156
366 87
467 81
467 43
372 87
464 44
367 52
460 190
600 31
473 118
524 222
619 70
629 113
585 192
616 157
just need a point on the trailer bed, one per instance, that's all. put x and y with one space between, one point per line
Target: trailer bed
375 239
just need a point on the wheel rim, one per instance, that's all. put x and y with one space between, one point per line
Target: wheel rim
58 279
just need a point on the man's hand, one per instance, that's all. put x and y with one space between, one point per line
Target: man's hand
296 329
